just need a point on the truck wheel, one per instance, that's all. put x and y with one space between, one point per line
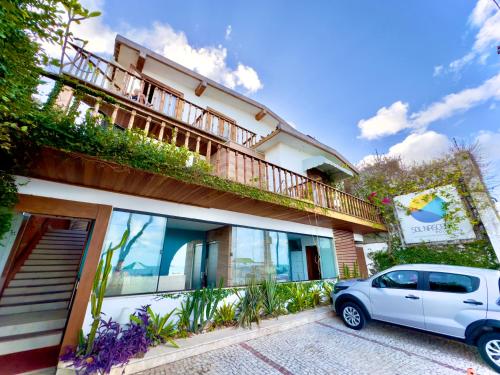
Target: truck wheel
352 315
489 348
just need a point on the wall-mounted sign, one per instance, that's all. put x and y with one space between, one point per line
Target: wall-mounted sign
421 216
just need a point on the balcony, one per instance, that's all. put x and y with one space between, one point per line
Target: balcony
232 161
112 78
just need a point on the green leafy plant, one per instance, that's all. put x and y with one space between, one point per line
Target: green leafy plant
346 272
326 291
478 253
355 270
250 304
159 330
299 297
272 299
225 315
198 309
99 289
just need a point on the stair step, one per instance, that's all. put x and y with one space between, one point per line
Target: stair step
57 256
59 246
57 251
37 262
44 268
13 291
42 282
44 275
42 306
21 343
69 243
34 298
32 322
62 233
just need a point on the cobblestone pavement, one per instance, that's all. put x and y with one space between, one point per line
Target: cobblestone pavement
328 347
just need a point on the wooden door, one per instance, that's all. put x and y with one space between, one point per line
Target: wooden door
313 263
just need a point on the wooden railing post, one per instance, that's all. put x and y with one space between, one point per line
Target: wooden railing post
131 120
162 129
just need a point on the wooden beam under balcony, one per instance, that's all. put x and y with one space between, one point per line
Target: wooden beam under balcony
200 89
259 116
84 170
141 60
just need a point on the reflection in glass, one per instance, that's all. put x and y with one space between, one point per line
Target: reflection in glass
135 266
182 260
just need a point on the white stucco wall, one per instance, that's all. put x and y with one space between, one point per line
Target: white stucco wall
33 186
241 112
288 157
119 308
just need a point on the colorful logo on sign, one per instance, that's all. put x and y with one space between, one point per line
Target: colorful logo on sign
427 208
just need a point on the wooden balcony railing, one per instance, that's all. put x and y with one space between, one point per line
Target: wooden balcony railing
109 76
228 162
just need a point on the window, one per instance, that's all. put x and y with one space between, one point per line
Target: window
135 265
165 254
452 283
397 280
259 253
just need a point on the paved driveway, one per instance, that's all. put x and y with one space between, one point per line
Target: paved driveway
328 347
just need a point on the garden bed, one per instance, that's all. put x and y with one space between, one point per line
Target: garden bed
209 341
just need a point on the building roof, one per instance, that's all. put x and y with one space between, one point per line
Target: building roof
283 126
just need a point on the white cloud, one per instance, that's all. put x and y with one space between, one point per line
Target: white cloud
210 61
438 70
229 30
485 18
489 143
394 119
458 102
416 147
387 121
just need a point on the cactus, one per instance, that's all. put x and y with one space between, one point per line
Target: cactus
99 288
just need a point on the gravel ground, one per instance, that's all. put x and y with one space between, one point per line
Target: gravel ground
328 347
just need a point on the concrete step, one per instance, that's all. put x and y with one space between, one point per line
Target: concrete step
15 291
43 268
42 282
57 256
44 275
34 298
38 262
42 306
32 322
21 343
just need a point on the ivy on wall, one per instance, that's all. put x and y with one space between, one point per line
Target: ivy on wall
387 177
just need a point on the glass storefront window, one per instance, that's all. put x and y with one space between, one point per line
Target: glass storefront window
168 254
135 266
288 257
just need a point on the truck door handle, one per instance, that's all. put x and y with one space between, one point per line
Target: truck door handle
472 302
411 296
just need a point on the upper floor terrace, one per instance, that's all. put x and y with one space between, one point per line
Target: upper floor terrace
130 101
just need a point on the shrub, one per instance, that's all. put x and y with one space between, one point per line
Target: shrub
272 299
160 330
473 254
112 346
250 304
225 315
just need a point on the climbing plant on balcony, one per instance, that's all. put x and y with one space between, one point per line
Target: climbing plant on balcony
25 25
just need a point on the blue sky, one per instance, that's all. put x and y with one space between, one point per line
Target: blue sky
360 76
